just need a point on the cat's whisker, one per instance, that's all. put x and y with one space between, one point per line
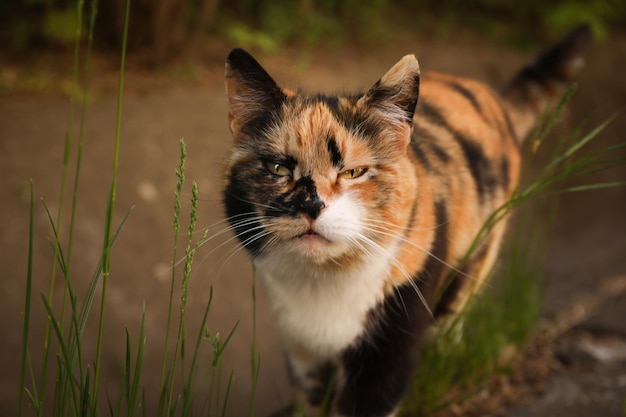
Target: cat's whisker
249 219
248 240
403 239
403 271
221 222
254 203
228 241
395 226
263 232
231 253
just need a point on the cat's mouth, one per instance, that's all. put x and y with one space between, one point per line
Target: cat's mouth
312 235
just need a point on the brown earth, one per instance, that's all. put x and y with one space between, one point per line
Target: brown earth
588 243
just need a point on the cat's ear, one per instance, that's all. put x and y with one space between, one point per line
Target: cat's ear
395 94
252 93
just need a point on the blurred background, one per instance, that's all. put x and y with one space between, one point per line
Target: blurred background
174 89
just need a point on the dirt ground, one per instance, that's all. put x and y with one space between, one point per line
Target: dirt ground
588 244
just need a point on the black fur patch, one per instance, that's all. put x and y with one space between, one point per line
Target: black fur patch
439 152
240 213
352 121
480 166
504 172
331 102
258 85
379 369
303 198
468 94
421 155
335 153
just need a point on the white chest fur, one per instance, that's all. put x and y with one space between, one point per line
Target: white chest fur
324 313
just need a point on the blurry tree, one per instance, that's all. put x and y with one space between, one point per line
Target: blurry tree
162 29
27 22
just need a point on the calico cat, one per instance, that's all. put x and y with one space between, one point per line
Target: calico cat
355 209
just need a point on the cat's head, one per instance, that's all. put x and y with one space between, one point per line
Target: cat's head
326 178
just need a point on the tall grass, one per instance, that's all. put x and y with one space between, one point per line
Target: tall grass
169 397
77 377
37 394
463 354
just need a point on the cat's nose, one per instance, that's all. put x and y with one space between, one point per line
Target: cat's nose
313 208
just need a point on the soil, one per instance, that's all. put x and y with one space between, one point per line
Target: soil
588 243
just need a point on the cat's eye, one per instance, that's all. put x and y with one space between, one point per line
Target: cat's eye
277 169
353 173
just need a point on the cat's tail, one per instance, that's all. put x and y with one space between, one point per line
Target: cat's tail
544 81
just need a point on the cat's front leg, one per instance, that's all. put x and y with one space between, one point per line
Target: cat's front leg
366 383
375 372
312 380
373 381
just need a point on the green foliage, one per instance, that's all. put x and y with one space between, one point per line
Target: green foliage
30 22
249 38
58 26
600 14
268 25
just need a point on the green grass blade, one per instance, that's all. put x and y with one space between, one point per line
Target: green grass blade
578 144
254 358
33 395
143 401
110 209
57 249
26 321
84 398
134 385
597 186
165 373
193 365
74 339
65 365
222 346
226 394
549 119
60 390
112 411
95 279
81 132
126 380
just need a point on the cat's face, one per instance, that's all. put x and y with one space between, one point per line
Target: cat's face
323 178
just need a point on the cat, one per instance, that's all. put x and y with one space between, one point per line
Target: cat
355 209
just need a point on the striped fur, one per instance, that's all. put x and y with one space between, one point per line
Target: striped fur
356 208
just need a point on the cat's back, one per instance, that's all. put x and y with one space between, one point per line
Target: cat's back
464 137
